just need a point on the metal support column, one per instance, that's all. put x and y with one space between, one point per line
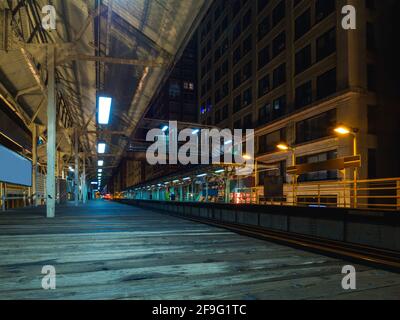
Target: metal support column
51 135
34 165
76 178
227 190
84 190
206 191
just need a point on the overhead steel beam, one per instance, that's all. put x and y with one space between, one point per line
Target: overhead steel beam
111 60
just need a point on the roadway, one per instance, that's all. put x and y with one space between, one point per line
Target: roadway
106 250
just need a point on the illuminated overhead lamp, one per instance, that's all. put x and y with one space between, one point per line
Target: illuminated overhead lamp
195 131
100 170
164 129
94 183
101 147
202 175
104 107
220 171
283 147
175 181
186 179
100 163
342 130
71 169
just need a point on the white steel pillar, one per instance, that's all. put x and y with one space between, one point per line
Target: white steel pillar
51 135
34 165
76 180
84 190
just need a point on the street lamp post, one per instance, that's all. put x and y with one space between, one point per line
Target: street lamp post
285 147
345 131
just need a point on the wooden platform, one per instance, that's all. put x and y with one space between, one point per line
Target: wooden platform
111 251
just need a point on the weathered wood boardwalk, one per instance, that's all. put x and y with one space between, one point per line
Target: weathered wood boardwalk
111 251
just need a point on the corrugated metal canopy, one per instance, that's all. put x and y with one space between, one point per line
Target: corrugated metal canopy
139 30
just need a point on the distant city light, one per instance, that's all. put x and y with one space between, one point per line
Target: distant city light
101 147
104 110
247 157
71 169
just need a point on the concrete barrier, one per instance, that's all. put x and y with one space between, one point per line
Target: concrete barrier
372 228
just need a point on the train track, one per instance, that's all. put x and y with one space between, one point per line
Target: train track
361 254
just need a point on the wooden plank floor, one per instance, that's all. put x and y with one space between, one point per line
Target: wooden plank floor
111 251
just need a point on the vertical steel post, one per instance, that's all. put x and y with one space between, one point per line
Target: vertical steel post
84 191
51 134
76 178
34 165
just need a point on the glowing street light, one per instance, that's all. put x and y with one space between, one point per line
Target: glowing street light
247 157
283 147
101 147
342 130
104 107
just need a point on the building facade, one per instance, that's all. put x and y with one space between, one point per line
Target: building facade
289 70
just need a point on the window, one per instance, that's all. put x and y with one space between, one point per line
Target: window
225 68
320 175
225 112
247 45
303 95
263 57
371 77
261 4
188 86
326 84
279 75
315 128
237 79
174 89
303 59
225 89
263 86
237 103
264 28
248 122
217 117
237 55
247 20
237 30
247 71
372 115
247 97
370 36
268 142
278 107
237 124
326 44
265 114
279 44
278 13
372 164
324 8
303 24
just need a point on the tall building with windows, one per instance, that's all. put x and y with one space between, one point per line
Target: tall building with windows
289 70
